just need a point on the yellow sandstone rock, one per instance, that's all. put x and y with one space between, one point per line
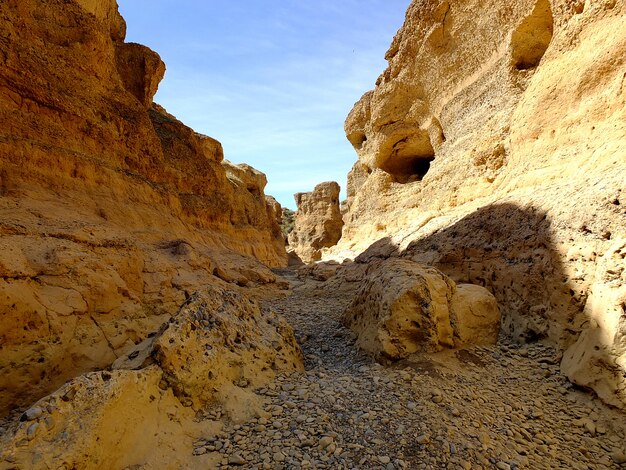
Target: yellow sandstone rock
111 209
318 222
404 307
214 351
492 148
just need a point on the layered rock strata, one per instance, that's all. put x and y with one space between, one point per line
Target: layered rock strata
318 221
111 210
493 149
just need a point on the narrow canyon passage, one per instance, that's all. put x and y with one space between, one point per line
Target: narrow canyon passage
504 406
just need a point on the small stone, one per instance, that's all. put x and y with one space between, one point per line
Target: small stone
423 439
49 422
384 459
618 456
32 414
31 432
279 457
503 466
236 459
589 426
325 442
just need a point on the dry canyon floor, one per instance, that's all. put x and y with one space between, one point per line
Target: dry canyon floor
504 407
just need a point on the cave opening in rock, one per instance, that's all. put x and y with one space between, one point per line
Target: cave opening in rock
410 157
531 38
408 169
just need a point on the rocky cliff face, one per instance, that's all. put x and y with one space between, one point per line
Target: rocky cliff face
318 221
112 210
493 149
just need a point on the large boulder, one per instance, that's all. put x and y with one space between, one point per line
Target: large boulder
213 352
597 360
220 338
404 307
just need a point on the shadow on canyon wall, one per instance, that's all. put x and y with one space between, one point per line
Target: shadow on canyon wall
508 250
511 251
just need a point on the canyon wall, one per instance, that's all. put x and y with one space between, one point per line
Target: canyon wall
112 210
493 148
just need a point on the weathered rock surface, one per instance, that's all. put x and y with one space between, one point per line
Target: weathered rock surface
492 148
403 307
318 221
110 208
506 406
215 350
220 339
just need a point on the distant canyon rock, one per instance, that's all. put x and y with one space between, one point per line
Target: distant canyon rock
318 221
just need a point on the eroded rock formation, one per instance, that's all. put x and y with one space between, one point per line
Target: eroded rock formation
493 149
143 412
404 307
318 221
111 209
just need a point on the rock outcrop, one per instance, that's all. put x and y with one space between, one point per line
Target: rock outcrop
318 221
404 307
111 210
492 148
214 350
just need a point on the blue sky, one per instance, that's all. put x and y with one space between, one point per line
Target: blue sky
272 80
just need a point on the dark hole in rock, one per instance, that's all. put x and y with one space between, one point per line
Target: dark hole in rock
410 157
532 37
408 169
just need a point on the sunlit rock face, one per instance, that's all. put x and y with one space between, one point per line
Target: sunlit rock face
318 222
492 148
215 350
112 210
404 307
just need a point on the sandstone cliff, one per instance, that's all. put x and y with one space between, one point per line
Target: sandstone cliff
318 221
493 149
112 211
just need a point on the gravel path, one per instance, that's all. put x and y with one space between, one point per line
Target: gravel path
501 407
